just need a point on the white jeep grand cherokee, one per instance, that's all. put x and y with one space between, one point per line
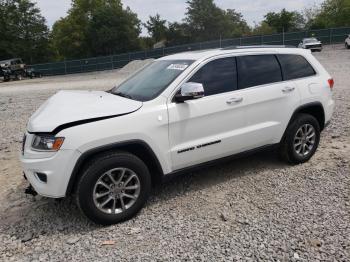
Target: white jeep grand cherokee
177 113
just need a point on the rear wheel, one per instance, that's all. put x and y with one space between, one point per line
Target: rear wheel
301 139
113 188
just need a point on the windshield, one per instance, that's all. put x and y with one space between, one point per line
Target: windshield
148 83
311 40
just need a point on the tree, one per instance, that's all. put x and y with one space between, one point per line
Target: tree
100 27
23 31
178 34
285 21
333 13
205 20
156 27
113 30
237 25
263 29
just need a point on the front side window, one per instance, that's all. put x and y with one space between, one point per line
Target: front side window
255 70
295 66
218 76
148 83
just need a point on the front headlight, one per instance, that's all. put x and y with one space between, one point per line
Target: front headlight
47 143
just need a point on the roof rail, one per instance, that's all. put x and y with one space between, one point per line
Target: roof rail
257 46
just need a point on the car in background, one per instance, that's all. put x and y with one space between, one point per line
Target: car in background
13 68
347 42
32 73
311 43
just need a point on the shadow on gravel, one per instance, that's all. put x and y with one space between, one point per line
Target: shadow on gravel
217 174
51 217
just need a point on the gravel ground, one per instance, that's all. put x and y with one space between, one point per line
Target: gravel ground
254 208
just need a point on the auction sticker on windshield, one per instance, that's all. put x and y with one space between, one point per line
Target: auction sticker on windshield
180 67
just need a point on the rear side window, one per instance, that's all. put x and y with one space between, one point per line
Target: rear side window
295 66
257 70
218 76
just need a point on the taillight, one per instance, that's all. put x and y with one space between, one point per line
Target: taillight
331 83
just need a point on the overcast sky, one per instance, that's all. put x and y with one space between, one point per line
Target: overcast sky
174 10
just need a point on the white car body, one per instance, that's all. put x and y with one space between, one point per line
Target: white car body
347 42
311 43
206 129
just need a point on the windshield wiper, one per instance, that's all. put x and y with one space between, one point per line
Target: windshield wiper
123 95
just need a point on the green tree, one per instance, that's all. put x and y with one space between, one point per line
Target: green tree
263 29
23 31
236 23
178 34
156 27
112 30
285 21
205 20
333 13
100 27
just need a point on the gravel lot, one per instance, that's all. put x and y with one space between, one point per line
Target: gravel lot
255 208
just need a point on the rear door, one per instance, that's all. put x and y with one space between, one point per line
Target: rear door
269 101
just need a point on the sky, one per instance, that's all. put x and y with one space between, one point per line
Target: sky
174 10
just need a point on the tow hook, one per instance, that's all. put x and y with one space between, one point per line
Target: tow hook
30 191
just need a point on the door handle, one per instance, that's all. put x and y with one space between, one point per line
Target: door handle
234 100
288 89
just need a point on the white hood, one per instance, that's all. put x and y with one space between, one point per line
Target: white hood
313 43
67 107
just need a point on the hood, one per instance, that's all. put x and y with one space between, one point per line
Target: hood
69 108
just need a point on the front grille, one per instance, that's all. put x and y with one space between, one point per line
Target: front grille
313 46
24 143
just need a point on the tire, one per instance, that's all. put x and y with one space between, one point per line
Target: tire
19 77
347 46
290 150
90 189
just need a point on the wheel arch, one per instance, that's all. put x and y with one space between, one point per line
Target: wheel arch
315 109
137 147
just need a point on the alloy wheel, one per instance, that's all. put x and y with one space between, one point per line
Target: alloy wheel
116 190
304 140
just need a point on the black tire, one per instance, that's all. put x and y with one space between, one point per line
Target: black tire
95 170
347 46
287 149
19 77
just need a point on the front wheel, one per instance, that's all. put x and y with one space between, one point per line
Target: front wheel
301 139
347 46
113 188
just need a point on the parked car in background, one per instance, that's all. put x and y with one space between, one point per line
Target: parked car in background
180 112
347 42
32 73
13 69
311 43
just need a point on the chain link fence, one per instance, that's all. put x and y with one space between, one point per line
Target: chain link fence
327 36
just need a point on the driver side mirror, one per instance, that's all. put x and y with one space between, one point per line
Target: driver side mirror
189 91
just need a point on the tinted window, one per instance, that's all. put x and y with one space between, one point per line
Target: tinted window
295 66
257 70
217 76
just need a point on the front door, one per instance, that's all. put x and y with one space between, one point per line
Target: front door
210 127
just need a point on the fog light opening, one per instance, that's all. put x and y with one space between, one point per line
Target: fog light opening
42 177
